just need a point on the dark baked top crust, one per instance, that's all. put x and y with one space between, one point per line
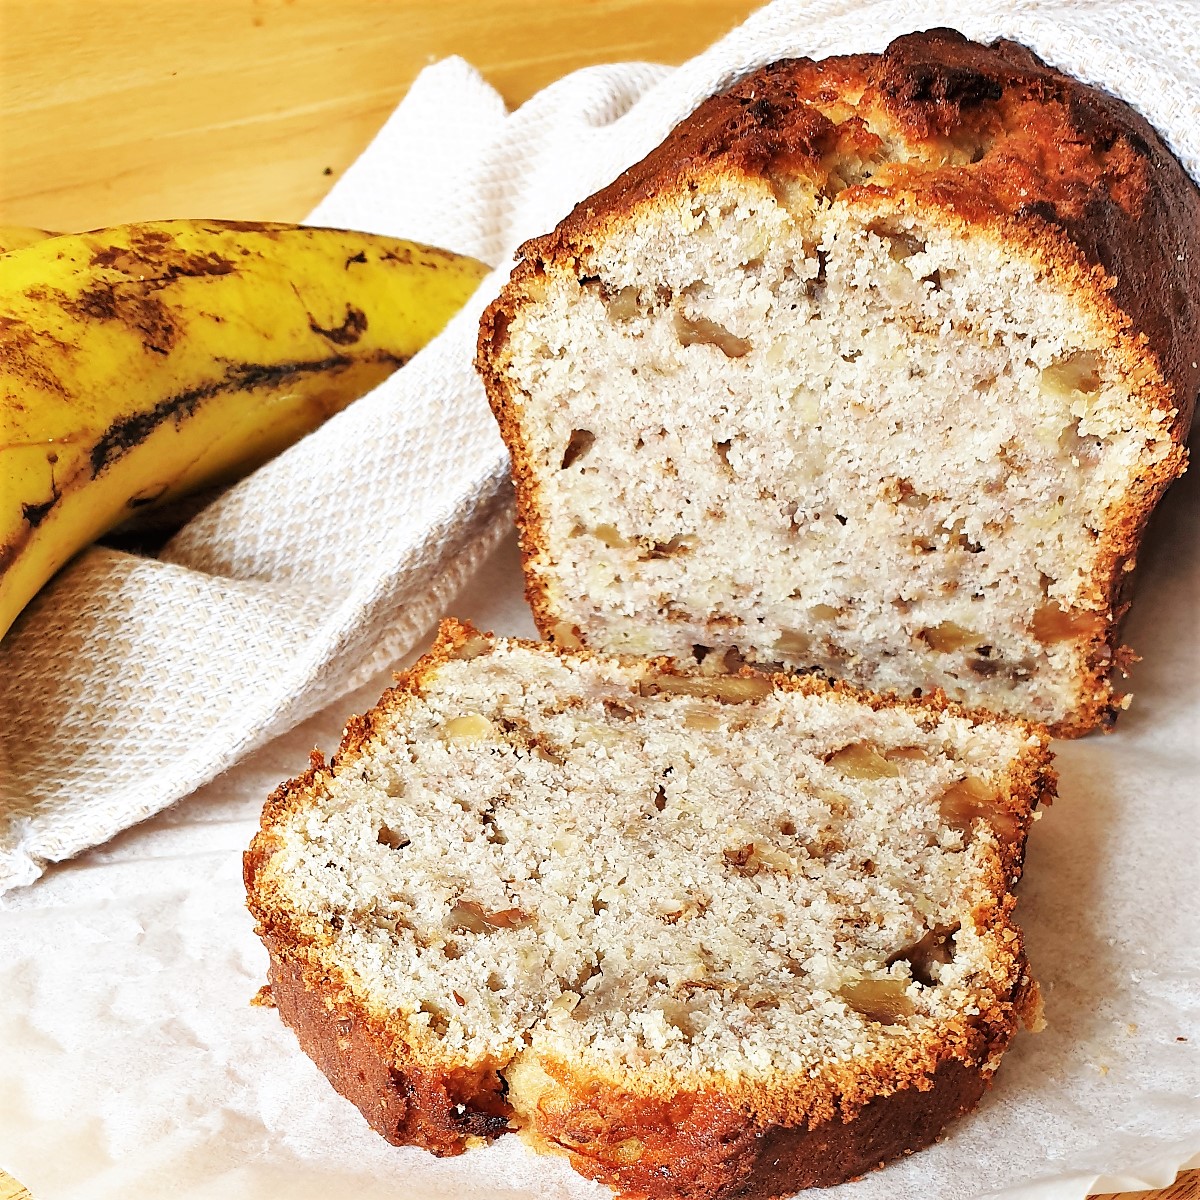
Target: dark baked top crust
995 138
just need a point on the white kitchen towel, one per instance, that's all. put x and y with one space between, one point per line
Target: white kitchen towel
132 681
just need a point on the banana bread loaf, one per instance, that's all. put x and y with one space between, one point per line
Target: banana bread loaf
711 936
877 365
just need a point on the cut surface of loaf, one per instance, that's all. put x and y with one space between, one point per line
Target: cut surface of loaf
877 365
710 936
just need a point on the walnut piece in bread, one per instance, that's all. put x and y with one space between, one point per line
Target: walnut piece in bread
877 365
708 943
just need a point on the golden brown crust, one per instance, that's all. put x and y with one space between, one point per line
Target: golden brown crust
408 1101
995 140
689 1146
721 1139
700 1147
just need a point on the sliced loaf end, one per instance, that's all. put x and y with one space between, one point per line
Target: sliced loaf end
708 935
876 366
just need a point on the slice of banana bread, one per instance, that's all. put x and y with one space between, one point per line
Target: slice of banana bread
877 365
709 935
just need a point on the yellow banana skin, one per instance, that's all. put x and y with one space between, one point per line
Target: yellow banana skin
17 237
145 361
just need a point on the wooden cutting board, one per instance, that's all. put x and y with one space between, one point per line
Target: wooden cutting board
251 108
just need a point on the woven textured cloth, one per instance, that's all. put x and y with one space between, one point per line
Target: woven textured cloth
131 681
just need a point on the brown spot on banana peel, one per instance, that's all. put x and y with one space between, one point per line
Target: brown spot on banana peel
35 514
155 259
23 353
152 262
267 228
403 256
451 256
142 500
155 265
128 432
348 332
140 311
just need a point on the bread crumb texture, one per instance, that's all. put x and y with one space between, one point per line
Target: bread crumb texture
641 913
877 366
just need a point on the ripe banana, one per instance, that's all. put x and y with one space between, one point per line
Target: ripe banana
142 362
17 237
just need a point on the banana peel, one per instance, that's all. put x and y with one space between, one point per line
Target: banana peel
144 362
17 237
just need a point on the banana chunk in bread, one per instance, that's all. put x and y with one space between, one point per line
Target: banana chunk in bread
707 935
877 365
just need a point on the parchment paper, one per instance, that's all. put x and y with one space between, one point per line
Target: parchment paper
132 1065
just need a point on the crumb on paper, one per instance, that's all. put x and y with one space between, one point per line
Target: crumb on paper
264 997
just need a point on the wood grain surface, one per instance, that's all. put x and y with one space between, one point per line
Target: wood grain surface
133 109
